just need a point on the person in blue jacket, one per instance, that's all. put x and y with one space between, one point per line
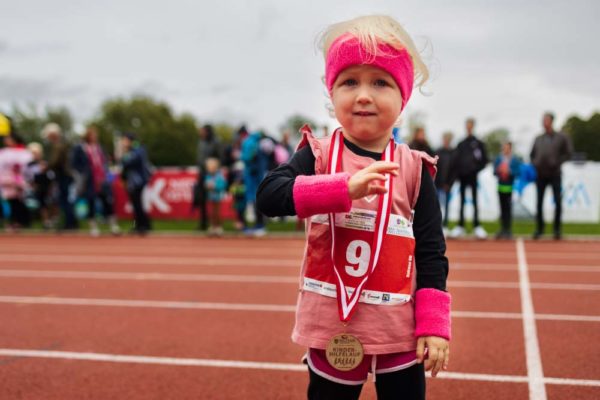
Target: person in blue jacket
506 167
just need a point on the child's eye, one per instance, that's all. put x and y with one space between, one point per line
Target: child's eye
381 82
349 82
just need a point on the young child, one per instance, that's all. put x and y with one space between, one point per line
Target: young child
506 168
238 194
373 287
215 186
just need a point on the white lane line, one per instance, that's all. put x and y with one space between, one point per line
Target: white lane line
535 373
157 276
141 260
514 285
195 362
200 362
147 276
513 267
69 301
146 303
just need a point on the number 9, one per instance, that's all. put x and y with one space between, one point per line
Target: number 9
358 253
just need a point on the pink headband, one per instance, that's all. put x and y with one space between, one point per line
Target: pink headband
347 51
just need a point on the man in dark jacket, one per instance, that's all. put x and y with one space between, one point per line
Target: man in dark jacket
469 158
549 151
136 173
60 170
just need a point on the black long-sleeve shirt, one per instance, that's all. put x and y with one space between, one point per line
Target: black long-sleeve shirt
275 198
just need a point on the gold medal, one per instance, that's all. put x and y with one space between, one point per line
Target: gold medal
344 352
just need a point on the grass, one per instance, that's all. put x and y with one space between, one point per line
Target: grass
520 227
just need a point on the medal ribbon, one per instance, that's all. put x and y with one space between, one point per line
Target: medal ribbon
347 303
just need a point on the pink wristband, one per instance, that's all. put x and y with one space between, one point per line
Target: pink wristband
321 194
432 313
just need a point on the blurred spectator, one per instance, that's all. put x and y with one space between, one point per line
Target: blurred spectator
90 166
215 188
443 181
209 146
470 157
238 194
39 181
549 151
14 158
136 173
5 129
419 141
59 169
506 167
286 143
232 152
256 164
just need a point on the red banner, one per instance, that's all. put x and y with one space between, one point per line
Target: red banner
169 195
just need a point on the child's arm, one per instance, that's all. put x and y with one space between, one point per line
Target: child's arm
432 302
294 189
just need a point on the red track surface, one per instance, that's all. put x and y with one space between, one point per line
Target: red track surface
224 304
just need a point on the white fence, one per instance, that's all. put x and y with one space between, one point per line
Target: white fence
581 196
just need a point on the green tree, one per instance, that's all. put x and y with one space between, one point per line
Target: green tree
493 141
28 121
585 135
169 140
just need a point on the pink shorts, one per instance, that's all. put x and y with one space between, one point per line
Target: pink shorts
376 364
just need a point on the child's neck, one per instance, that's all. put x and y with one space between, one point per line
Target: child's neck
376 146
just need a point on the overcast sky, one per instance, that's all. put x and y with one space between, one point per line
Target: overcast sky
502 62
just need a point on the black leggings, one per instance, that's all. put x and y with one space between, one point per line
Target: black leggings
406 384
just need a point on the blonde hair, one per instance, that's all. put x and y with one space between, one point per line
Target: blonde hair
372 30
35 148
51 127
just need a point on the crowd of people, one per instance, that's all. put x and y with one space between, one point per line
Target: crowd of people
50 178
464 162
238 168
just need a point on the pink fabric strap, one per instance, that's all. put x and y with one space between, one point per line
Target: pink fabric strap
432 313
321 194
347 51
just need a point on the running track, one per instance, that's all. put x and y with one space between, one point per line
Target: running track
196 318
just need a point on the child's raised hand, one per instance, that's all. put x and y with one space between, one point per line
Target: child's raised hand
368 180
438 353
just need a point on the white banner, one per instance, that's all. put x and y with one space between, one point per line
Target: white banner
581 196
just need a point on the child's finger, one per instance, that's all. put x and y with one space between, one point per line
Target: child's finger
446 358
384 167
439 363
432 358
376 189
373 176
420 350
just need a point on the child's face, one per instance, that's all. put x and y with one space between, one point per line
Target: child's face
367 102
212 166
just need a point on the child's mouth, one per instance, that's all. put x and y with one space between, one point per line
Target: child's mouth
364 114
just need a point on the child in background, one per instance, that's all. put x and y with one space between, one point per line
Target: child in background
215 185
373 289
238 194
37 176
506 168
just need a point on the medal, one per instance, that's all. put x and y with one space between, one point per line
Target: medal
344 352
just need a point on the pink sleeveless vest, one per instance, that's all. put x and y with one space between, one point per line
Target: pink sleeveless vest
384 319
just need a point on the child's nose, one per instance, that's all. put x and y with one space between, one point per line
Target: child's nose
364 95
